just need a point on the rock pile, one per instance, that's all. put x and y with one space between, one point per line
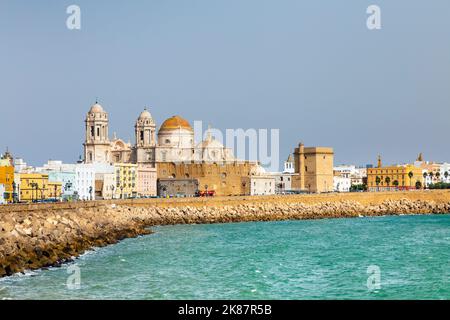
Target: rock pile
36 239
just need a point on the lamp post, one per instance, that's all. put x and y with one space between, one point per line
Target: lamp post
14 192
112 191
68 186
90 193
33 185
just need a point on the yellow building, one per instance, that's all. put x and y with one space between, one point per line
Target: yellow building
405 177
36 187
224 179
126 180
7 179
313 168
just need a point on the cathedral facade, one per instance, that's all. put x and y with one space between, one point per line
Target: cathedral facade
170 152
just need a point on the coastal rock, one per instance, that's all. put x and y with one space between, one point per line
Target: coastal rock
39 238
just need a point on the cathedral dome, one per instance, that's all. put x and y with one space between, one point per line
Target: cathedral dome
96 108
174 123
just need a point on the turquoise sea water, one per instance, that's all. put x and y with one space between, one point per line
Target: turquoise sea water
315 259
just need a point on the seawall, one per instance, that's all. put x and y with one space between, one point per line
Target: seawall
41 235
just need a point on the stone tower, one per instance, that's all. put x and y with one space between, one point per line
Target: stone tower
96 145
313 169
145 129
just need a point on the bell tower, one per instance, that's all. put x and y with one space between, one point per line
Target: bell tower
145 130
96 144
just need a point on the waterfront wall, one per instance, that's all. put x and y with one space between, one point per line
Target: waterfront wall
35 236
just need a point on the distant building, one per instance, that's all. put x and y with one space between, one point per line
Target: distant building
146 180
341 183
346 176
126 180
105 181
85 181
261 185
21 166
2 194
431 171
283 181
37 187
314 166
397 177
260 182
289 165
7 177
445 172
77 180
177 187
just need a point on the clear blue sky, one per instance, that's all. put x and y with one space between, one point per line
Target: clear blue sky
310 68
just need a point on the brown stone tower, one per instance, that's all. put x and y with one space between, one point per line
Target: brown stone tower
314 169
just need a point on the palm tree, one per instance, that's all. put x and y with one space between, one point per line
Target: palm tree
438 174
377 181
425 179
395 183
431 177
418 185
410 175
446 175
387 180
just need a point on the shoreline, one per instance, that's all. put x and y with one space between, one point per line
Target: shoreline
40 236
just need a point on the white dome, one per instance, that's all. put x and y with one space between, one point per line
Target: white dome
145 115
96 108
257 171
210 144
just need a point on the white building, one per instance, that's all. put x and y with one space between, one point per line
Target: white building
341 183
346 176
261 183
85 181
289 165
283 181
78 180
21 166
2 192
105 181
17 182
445 172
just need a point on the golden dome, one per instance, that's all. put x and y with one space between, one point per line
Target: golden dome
176 122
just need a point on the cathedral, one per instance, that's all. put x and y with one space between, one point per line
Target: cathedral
171 152
174 143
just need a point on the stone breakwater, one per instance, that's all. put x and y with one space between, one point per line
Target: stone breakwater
41 238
